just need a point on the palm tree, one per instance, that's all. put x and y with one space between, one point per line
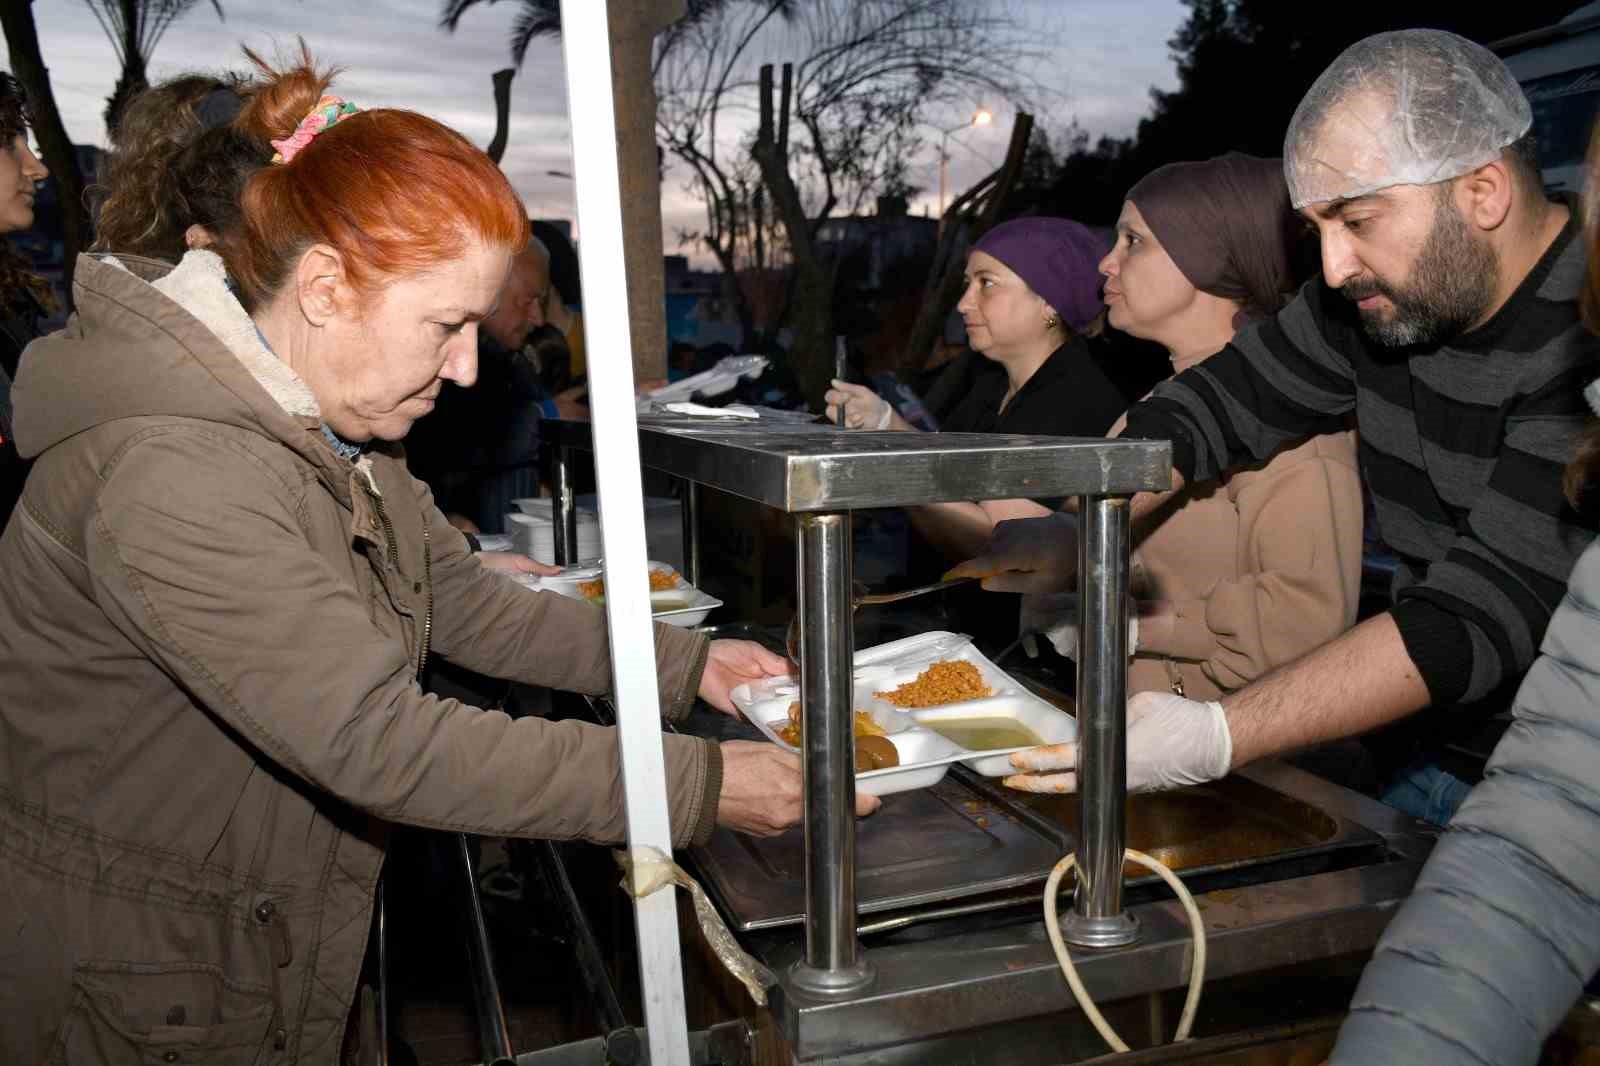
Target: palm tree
134 27
542 18
634 27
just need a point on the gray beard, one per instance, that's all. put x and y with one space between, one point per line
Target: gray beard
1451 286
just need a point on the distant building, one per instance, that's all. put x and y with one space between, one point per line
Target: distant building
875 249
698 310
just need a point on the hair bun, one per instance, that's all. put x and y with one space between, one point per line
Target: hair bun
283 96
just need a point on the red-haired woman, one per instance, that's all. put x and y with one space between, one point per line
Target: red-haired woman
219 590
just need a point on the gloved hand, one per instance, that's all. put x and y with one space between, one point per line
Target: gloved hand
857 406
1172 742
1055 614
1027 555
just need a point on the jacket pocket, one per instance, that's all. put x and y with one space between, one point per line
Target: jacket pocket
154 1014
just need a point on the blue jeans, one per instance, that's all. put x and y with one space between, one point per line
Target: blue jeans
1424 791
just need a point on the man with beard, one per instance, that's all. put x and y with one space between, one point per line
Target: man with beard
1446 323
479 448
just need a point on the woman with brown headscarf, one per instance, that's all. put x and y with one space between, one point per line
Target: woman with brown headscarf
1237 576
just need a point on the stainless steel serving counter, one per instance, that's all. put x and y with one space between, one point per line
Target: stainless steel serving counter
965 973
939 996
819 473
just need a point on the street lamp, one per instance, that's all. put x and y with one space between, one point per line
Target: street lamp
981 117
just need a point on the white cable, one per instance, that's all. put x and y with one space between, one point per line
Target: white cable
1197 970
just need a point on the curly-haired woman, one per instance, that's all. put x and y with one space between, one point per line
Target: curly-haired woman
25 298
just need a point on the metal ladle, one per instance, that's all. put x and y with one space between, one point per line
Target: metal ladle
862 598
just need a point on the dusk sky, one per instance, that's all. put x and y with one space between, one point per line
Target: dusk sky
1100 59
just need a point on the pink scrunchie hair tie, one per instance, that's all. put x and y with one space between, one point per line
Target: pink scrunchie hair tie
328 112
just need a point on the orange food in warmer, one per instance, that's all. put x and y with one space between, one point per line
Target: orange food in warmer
946 681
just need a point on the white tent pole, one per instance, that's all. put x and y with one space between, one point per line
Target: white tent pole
587 48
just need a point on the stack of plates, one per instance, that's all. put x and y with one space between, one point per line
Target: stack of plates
533 531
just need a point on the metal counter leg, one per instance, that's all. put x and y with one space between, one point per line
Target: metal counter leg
1098 919
492 1029
833 962
565 513
691 532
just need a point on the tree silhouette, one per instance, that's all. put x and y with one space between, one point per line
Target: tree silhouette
1243 66
135 27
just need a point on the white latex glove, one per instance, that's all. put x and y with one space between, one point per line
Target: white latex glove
1027 555
857 406
1172 742
1055 614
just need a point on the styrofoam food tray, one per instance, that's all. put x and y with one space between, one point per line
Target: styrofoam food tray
682 606
925 755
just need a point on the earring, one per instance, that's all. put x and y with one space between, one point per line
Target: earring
1051 321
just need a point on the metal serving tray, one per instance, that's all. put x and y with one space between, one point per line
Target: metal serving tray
969 836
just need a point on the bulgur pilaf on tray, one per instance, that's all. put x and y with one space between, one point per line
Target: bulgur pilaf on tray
946 681
660 581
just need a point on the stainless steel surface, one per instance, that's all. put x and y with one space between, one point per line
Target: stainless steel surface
823 468
383 976
565 512
832 962
925 988
969 838
926 846
487 1004
585 948
691 532
1097 919
725 1044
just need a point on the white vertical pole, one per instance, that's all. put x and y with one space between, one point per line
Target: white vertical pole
587 47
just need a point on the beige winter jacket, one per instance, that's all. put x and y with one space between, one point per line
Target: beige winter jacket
210 626
1237 576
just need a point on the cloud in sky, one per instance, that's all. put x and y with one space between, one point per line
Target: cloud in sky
1100 59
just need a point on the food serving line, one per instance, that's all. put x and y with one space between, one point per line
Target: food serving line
1288 868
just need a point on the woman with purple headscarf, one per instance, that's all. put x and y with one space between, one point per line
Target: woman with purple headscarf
1031 293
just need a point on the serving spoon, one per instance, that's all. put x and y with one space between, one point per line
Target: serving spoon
862 598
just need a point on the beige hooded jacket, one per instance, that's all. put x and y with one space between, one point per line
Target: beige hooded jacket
210 626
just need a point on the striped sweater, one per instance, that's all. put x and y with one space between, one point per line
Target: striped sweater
1462 447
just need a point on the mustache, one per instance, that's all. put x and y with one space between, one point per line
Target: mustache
1361 288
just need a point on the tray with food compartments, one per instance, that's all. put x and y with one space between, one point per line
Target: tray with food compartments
920 704
672 599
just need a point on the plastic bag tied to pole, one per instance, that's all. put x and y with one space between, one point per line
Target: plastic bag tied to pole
655 871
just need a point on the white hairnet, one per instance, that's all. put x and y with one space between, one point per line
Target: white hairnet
1411 107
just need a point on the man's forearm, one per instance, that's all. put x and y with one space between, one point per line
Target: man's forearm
1353 684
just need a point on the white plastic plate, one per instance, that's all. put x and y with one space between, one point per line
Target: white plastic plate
924 754
681 606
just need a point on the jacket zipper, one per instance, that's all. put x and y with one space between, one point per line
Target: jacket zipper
388 529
